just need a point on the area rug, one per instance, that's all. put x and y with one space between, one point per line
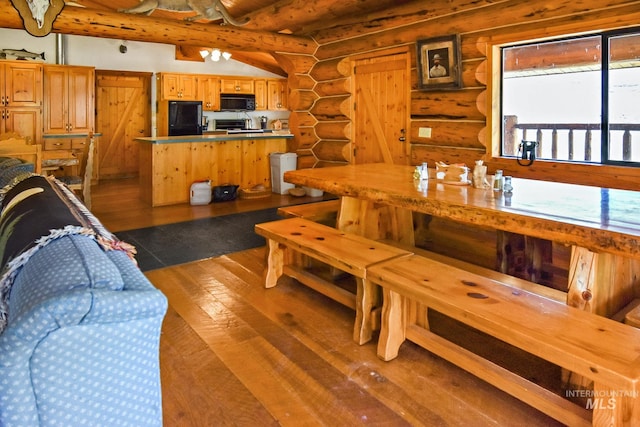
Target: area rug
172 244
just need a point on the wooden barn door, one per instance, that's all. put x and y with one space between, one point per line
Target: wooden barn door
123 111
381 93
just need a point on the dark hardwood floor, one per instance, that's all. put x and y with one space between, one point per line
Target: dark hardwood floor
236 354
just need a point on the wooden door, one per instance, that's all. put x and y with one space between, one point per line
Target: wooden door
381 120
123 104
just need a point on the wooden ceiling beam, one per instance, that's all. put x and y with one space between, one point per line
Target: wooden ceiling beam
296 15
114 25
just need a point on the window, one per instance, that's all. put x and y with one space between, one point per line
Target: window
561 94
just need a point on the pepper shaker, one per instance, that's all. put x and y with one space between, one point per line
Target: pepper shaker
497 180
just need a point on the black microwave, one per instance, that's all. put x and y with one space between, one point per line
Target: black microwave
237 102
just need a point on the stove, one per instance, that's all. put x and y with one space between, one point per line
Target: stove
231 124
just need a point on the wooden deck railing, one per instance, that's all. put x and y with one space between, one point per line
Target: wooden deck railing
548 136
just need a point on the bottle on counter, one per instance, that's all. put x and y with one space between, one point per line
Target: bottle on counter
497 180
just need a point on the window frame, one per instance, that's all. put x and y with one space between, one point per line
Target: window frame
604 40
609 176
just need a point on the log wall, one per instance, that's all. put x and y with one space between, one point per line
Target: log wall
459 119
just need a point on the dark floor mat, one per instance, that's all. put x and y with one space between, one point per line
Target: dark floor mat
172 244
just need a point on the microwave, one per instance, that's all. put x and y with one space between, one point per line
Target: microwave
237 102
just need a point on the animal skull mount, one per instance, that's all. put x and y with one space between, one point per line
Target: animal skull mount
205 9
38 15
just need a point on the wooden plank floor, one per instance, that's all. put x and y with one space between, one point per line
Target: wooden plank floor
236 354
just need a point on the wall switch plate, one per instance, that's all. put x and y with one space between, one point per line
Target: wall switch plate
424 132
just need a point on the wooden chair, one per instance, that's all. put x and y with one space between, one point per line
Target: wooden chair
13 145
82 182
10 135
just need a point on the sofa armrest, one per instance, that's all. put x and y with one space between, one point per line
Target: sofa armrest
85 362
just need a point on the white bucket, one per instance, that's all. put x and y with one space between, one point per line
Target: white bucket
201 193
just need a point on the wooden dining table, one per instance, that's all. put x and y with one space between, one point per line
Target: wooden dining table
601 225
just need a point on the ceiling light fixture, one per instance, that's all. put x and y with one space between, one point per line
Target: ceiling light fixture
215 54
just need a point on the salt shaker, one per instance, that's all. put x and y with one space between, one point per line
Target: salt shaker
497 180
424 174
507 186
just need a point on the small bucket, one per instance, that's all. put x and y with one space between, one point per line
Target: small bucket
200 193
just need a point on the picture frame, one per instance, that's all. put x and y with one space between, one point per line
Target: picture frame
439 63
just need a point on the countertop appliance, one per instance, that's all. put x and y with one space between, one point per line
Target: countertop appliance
236 126
237 102
185 118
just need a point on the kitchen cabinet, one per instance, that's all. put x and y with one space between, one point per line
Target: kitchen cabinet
69 114
277 94
229 85
209 92
69 99
21 84
181 87
26 122
21 99
260 87
168 168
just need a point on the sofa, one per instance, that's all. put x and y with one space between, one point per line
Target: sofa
79 323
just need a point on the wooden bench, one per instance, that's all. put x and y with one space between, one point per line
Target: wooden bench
325 212
601 349
346 252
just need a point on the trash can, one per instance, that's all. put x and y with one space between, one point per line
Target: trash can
281 163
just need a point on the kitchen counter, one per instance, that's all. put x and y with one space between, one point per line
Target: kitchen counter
169 165
215 136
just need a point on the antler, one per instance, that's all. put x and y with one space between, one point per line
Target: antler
225 15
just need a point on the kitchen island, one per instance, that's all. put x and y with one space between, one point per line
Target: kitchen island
170 164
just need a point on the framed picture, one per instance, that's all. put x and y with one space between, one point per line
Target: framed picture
439 63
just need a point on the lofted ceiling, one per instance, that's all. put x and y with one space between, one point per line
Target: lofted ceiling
295 17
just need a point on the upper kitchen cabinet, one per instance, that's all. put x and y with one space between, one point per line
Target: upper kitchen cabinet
179 87
21 84
277 94
209 92
261 94
21 99
69 99
231 85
